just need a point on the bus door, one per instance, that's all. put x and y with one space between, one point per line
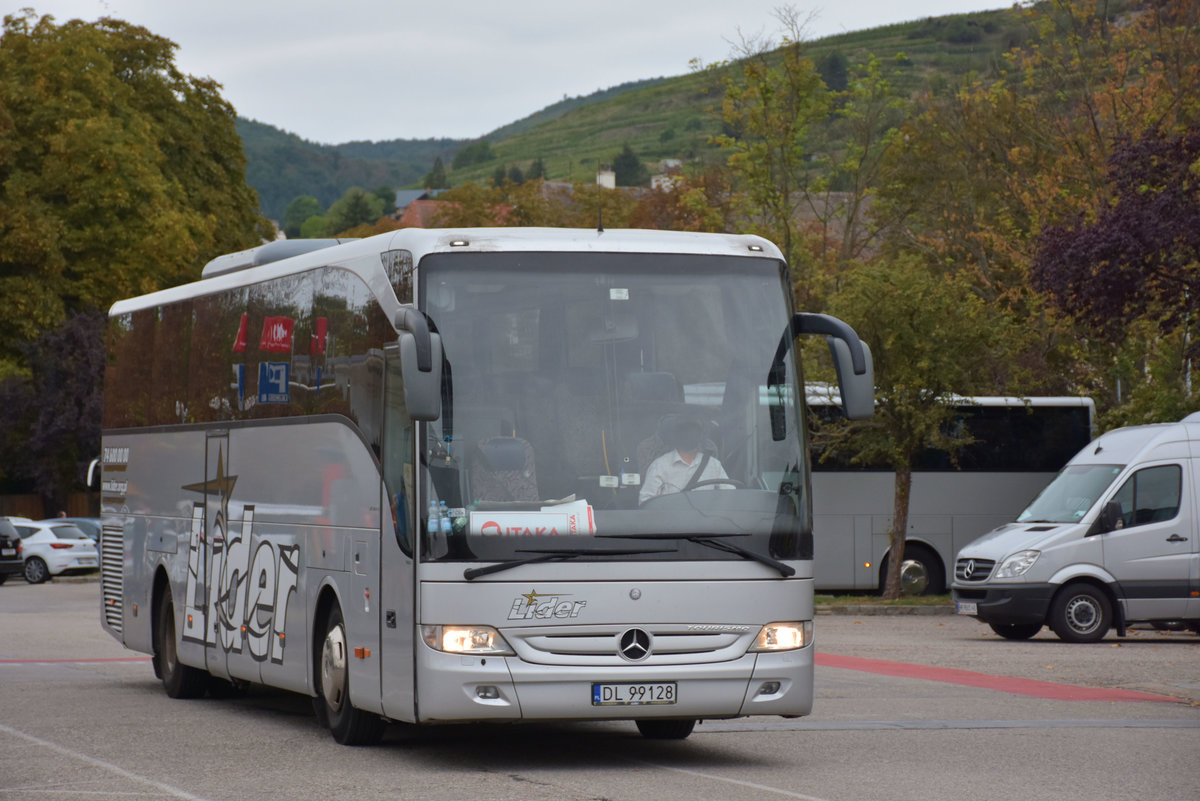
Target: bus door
395 566
218 487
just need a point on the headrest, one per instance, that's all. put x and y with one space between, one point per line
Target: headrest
661 386
504 453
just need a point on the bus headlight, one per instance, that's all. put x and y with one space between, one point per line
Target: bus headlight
474 640
1017 564
783 636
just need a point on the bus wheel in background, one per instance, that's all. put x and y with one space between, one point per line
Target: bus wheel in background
1016 631
1080 613
921 571
179 680
349 726
657 729
36 571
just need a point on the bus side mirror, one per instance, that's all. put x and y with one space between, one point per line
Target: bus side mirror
858 389
422 388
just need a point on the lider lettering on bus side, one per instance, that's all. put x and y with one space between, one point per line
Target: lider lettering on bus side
248 599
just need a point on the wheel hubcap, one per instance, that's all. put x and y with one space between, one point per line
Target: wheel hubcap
333 667
914 578
1082 615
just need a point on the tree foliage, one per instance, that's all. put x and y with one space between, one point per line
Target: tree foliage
118 174
768 110
628 168
299 210
932 338
356 207
52 418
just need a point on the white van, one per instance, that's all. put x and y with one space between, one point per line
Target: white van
1113 540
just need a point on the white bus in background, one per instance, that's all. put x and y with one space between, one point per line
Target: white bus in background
401 475
1019 445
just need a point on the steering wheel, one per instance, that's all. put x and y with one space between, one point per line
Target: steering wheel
710 481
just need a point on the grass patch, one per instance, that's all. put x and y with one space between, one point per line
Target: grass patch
875 600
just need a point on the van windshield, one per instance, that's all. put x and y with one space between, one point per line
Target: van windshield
1072 492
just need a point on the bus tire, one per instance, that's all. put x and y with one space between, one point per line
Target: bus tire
178 679
1080 613
1016 631
658 729
921 572
349 726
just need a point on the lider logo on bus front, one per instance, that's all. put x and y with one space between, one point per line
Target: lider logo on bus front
533 606
247 593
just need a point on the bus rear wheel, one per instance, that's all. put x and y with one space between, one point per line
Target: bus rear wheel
178 679
656 729
920 573
349 726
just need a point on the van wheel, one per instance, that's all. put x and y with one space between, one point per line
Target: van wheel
1080 613
178 679
654 729
349 726
1016 631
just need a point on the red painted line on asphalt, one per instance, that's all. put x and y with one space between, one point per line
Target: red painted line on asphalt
73 661
969 678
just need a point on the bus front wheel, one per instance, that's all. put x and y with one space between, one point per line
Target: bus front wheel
921 571
349 726
655 729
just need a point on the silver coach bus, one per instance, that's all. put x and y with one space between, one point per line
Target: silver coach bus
427 477
1016 447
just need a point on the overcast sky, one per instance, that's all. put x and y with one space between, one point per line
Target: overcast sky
334 71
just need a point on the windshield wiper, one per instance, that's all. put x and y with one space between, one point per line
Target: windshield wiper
552 556
716 541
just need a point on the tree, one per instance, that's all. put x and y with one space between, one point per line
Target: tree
118 174
629 169
57 409
356 207
299 210
536 170
767 112
388 195
931 337
436 177
1139 258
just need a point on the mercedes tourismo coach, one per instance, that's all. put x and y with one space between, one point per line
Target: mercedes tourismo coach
417 477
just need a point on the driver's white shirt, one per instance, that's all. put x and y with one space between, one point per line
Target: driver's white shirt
670 473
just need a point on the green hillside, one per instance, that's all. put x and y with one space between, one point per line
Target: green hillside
659 118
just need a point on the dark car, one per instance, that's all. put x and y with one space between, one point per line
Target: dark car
11 563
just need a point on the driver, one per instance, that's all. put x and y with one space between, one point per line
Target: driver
682 467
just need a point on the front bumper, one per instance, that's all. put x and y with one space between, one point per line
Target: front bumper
464 688
1006 604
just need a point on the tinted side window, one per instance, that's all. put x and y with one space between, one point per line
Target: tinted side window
1150 495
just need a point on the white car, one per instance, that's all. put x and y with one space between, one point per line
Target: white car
54 549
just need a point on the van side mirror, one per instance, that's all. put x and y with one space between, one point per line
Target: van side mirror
1111 518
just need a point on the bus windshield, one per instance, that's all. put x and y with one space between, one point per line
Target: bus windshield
1070 494
614 406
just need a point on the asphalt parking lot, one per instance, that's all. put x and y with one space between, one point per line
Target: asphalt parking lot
907 706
